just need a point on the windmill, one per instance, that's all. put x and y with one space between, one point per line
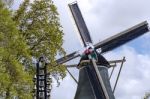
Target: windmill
93 75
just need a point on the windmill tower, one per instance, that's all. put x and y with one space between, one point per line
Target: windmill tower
93 80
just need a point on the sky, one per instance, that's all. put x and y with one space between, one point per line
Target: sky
105 18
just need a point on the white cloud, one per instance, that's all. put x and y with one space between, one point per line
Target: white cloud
134 80
105 18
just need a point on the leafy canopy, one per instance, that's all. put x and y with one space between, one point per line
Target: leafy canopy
32 31
12 46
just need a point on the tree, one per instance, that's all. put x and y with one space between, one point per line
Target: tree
33 30
14 80
39 24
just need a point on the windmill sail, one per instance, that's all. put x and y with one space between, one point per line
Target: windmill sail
115 41
67 57
123 37
80 23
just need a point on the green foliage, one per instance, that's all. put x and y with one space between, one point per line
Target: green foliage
31 31
12 48
41 28
39 24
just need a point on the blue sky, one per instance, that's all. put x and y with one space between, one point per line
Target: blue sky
105 18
